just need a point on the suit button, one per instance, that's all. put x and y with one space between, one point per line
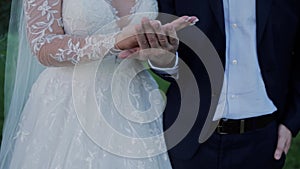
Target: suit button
233 96
293 53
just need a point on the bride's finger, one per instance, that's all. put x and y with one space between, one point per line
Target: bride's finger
183 22
128 53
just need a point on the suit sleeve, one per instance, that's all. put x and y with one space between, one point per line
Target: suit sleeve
292 120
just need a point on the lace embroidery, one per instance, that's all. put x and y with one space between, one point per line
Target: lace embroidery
92 49
49 41
40 28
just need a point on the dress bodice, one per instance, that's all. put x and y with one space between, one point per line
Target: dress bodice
82 17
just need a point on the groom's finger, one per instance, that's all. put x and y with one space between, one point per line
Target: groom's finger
172 35
280 148
149 31
161 35
141 38
287 146
284 141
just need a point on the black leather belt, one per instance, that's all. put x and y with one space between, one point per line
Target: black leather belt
229 126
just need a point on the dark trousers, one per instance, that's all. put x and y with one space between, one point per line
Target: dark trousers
251 150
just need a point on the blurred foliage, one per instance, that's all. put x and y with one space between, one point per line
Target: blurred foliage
4 16
293 157
4 21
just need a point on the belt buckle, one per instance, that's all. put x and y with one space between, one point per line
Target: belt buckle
241 127
219 129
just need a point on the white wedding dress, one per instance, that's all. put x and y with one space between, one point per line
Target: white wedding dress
88 116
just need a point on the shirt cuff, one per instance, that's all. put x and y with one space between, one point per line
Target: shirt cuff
171 71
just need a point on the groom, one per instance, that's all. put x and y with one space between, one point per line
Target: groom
256 41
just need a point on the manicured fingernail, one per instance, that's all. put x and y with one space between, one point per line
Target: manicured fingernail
187 19
194 22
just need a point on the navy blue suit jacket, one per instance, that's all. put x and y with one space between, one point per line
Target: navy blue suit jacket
279 60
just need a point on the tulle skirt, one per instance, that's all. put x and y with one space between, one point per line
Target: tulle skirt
60 128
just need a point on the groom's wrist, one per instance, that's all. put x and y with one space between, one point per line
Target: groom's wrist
171 70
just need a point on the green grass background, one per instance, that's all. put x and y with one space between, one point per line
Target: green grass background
293 158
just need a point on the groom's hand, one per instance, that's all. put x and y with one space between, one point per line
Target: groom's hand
151 34
156 42
284 141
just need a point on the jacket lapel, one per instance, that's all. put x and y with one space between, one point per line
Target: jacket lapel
263 8
217 8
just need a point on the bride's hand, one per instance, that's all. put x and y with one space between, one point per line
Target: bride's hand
126 39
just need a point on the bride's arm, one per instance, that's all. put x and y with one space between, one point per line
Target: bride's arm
49 42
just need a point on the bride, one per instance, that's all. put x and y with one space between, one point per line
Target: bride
87 108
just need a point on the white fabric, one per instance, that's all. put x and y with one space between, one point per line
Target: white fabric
52 135
21 71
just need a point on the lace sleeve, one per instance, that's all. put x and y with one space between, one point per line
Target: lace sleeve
49 42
